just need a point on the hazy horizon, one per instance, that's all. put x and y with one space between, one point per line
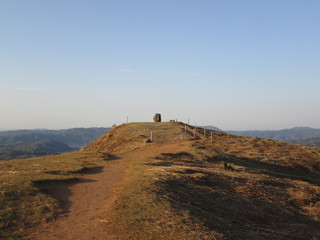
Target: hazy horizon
226 130
236 65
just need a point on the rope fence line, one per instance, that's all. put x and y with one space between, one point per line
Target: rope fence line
193 130
198 132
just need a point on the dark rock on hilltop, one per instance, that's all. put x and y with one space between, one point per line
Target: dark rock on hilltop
157 117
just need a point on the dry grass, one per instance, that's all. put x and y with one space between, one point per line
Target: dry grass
141 212
272 193
23 204
189 195
132 136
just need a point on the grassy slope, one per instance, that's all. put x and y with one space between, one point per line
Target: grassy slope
312 142
131 136
22 203
273 193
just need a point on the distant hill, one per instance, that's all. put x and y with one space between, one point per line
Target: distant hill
74 137
212 128
281 135
311 142
19 143
26 150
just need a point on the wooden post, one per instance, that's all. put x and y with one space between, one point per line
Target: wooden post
185 127
211 136
151 137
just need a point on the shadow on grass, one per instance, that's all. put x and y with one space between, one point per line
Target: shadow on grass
250 164
212 200
110 157
90 170
60 190
273 170
181 158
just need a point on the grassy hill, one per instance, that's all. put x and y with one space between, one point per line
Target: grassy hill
224 187
132 136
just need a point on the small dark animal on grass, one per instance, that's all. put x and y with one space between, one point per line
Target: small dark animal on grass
228 166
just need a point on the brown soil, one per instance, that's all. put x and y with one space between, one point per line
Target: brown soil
88 201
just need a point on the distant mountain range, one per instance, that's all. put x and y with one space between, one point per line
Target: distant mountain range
281 135
212 128
40 148
312 142
298 135
29 143
37 142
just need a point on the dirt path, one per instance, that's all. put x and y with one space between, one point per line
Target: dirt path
87 202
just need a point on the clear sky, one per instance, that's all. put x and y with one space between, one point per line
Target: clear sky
233 64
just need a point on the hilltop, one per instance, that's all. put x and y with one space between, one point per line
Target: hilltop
213 186
132 136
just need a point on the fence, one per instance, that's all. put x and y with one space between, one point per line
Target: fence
199 132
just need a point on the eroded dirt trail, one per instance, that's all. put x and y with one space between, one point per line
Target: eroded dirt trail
89 200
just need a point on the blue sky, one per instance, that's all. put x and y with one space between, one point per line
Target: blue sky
233 64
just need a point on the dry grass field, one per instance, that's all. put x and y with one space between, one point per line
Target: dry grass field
24 203
269 190
189 195
128 137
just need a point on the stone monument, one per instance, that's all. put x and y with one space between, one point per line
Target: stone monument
157 117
